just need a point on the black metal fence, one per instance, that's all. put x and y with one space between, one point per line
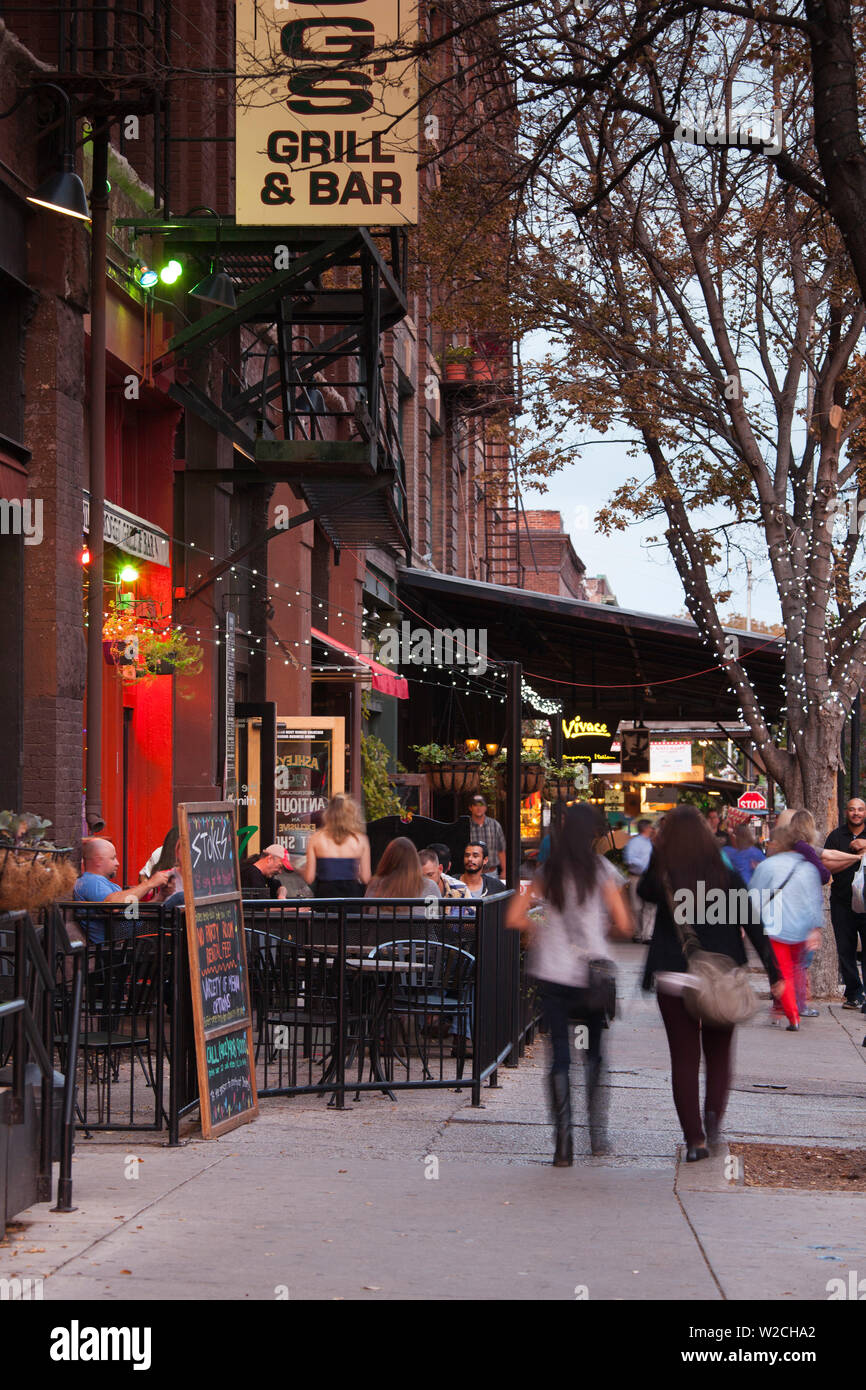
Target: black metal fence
347 996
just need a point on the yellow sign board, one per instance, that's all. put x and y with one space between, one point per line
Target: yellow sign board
324 136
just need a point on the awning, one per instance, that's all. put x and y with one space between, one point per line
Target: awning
385 681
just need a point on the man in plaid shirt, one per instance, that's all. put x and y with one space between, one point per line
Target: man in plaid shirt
489 833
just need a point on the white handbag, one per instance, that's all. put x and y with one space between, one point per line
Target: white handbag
858 886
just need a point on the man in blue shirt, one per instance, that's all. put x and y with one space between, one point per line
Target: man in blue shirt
636 855
96 885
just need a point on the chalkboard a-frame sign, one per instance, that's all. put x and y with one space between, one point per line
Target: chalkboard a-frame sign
217 966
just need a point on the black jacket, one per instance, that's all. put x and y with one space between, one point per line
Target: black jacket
843 879
665 951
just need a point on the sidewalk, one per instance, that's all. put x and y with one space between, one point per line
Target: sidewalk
309 1202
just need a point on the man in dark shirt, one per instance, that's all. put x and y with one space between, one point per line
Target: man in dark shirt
848 840
259 876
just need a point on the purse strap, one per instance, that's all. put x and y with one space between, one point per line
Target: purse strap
688 940
766 902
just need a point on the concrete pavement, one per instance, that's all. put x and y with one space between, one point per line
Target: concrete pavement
430 1199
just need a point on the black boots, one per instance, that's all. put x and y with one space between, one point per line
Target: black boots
560 1101
596 1102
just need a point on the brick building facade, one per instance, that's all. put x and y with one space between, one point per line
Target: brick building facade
164 742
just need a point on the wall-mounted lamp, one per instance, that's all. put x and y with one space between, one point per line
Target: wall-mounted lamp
62 191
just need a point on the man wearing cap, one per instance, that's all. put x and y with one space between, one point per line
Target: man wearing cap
488 832
260 875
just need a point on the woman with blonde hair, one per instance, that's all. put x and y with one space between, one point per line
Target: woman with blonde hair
338 854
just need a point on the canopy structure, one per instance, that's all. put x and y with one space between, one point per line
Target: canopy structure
603 661
385 681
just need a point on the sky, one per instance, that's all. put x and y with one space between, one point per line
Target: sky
643 577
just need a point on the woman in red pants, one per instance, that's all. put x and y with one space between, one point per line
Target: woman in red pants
787 892
688 876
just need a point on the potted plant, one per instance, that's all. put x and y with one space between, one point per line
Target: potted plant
449 769
482 370
33 871
119 635
170 655
561 782
456 363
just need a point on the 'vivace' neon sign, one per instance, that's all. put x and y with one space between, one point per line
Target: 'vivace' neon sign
577 728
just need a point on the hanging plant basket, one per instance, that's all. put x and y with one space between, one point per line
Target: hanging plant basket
560 789
532 777
32 877
459 776
120 651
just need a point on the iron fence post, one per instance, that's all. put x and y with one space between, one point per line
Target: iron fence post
174 1064
64 1179
46 1147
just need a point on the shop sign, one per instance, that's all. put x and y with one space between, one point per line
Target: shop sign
308 773
131 533
587 739
323 136
669 758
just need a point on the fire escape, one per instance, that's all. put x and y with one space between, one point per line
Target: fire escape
320 320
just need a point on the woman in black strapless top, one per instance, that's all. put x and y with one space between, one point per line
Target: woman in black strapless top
338 855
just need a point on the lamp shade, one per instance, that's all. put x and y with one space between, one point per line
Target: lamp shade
216 288
63 192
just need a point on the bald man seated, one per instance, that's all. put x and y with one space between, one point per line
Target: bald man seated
95 885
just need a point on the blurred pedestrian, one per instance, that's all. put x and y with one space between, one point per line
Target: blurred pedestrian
719 832
581 906
786 893
338 855
806 833
636 855
688 876
743 854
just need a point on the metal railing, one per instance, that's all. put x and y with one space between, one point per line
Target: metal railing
347 996
27 1031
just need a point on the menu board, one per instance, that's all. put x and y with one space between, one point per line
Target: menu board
219 932
213 852
217 966
229 1073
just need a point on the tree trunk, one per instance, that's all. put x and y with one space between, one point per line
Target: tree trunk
818 765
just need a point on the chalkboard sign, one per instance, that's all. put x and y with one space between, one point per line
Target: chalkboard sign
229 1072
219 930
213 852
217 966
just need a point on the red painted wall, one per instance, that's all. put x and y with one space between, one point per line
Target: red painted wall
139 478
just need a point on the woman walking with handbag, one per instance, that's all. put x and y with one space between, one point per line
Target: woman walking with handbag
693 963
580 895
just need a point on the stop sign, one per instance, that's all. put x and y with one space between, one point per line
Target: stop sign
752 801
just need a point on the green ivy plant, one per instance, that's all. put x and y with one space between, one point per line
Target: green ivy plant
445 753
380 798
174 650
